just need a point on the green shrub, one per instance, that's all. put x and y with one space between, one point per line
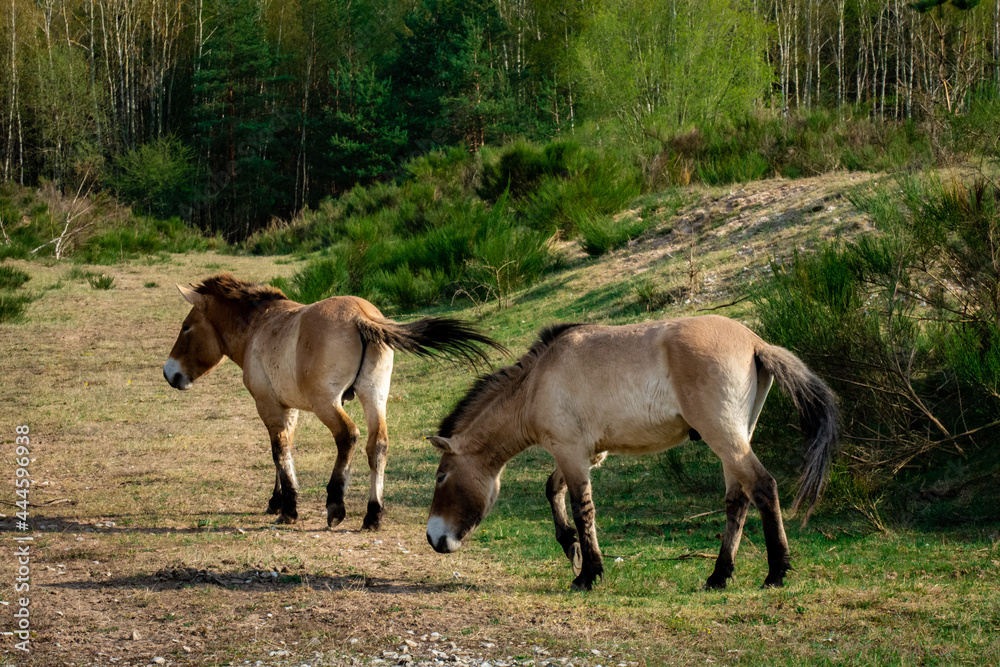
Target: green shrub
12 278
602 234
318 280
101 282
506 257
518 167
142 236
156 178
12 306
905 325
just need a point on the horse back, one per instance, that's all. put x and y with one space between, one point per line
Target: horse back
309 353
642 387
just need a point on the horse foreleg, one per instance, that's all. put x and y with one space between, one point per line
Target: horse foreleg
555 491
737 506
345 435
281 428
274 504
584 516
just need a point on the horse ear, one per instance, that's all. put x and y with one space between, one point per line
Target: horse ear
190 295
444 444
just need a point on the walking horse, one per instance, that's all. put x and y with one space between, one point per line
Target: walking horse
309 357
583 391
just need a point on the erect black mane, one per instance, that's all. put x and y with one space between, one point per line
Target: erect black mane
241 293
490 386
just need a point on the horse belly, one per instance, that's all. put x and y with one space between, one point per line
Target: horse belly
273 369
632 418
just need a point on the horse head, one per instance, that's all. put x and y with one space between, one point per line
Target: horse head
465 491
198 348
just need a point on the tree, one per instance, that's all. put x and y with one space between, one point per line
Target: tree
239 126
675 62
366 137
446 78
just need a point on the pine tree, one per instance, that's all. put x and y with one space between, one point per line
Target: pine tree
445 76
239 125
366 138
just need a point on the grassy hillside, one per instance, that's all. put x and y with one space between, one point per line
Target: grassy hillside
157 541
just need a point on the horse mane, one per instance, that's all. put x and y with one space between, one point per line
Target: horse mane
245 296
504 381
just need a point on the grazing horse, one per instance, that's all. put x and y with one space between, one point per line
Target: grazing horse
585 390
297 357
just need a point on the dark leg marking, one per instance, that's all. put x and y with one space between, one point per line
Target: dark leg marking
765 497
274 504
289 494
584 516
346 439
376 462
555 491
737 505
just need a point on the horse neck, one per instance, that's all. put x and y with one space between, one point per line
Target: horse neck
234 333
500 431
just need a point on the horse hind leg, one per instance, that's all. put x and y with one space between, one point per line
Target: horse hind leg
747 478
373 392
737 506
764 495
345 435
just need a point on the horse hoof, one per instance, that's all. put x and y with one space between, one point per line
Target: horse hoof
773 584
576 558
285 519
271 509
713 585
582 584
334 515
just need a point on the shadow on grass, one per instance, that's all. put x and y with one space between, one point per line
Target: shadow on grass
269 581
211 523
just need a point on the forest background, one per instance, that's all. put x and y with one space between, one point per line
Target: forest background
232 113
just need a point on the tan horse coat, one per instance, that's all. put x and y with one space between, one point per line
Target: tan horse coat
583 391
308 357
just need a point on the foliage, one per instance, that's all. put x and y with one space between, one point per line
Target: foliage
141 236
156 178
102 281
761 145
238 122
905 324
673 63
366 139
603 234
12 301
12 278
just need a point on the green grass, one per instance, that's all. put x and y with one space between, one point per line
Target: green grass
12 306
101 282
12 278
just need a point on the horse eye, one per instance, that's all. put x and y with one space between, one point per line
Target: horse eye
185 328
441 477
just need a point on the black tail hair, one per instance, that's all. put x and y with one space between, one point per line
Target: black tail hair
817 406
430 336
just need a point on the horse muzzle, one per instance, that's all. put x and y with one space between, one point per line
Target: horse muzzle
174 376
440 536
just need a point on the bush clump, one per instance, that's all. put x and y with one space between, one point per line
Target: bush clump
905 325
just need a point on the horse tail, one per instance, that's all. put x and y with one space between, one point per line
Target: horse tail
817 406
430 336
